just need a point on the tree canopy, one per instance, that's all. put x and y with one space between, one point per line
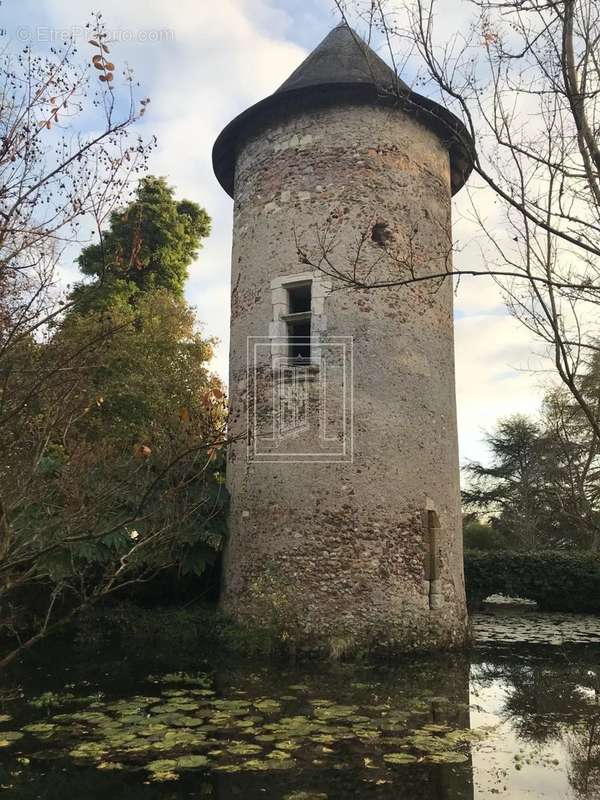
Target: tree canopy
542 485
511 487
150 244
113 427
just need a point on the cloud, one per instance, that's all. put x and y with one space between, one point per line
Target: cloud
498 373
204 62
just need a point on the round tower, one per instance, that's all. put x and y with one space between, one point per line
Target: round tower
345 519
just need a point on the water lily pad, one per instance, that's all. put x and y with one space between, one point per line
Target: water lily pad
243 748
281 755
367 734
287 745
334 711
127 719
119 739
171 708
160 777
445 758
268 705
185 721
258 765
162 765
465 735
427 744
138 746
7 738
249 722
5 717
201 679
90 717
89 750
227 768
39 727
358 718
305 796
399 758
435 728
323 738
191 762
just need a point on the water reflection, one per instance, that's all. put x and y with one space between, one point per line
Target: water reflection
309 733
546 710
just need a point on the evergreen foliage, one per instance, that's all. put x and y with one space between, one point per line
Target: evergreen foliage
149 245
556 581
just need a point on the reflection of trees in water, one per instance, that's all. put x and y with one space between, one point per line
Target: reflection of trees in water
583 745
544 693
553 698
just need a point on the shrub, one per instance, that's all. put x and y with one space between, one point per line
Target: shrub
556 581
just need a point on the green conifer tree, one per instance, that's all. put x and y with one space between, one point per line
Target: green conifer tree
149 245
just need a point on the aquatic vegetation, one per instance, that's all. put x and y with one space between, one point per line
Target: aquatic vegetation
199 679
445 758
51 700
7 738
267 705
303 732
185 726
41 729
191 762
399 758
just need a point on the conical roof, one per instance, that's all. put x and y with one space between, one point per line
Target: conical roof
343 57
343 69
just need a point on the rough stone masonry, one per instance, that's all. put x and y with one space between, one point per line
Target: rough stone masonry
345 521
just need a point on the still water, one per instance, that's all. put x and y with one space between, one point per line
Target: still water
518 717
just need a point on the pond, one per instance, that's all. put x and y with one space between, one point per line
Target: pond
512 718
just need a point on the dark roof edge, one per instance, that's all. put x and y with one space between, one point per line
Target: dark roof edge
444 123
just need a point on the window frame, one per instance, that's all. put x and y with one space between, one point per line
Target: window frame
292 318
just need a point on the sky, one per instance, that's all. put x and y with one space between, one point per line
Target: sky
204 61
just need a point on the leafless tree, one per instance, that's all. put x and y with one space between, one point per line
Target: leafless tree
524 77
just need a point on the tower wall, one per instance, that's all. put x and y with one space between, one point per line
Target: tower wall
344 554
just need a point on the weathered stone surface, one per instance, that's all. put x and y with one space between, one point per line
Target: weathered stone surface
339 552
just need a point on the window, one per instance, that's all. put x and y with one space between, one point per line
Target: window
299 336
298 320
299 298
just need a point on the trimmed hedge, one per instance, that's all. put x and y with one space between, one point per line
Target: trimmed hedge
556 581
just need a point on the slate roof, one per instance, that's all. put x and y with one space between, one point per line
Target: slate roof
343 57
343 69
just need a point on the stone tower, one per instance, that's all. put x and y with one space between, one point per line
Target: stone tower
345 521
